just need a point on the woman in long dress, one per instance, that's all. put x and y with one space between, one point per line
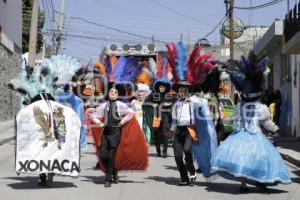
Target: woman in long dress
247 155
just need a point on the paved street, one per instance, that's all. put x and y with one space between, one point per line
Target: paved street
159 182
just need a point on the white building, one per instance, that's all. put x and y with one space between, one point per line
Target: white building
284 74
250 35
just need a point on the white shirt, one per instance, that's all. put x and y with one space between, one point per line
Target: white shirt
182 114
125 112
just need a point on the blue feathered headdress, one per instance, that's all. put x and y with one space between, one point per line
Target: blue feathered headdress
181 61
127 69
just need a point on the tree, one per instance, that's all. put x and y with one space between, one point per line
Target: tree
27 10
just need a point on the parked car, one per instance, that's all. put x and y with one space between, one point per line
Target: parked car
227 110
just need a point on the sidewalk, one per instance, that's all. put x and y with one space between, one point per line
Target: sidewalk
289 148
7 131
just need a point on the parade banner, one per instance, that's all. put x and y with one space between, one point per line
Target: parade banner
48 141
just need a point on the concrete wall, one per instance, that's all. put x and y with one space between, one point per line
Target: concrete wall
9 66
295 95
286 79
287 103
10 55
250 35
277 79
222 52
11 20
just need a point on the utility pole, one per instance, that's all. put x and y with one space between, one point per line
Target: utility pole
33 34
250 14
44 49
61 24
188 39
231 29
153 39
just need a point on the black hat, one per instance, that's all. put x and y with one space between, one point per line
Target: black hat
212 82
119 87
163 81
184 84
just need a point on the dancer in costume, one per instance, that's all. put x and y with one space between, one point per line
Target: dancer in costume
191 121
120 143
50 123
142 92
247 155
159 104
185 134
111 115
162 105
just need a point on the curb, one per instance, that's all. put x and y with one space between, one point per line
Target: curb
290 159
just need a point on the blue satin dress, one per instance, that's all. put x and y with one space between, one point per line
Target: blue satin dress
247 152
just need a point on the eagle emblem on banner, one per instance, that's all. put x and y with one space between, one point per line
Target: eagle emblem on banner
55 133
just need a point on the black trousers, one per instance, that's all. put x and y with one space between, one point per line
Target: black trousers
182 144
109 144
160 139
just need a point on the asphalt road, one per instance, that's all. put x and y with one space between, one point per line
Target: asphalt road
157 183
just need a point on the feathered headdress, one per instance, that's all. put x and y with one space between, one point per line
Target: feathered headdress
192 69
145 77
163 73
200 66
53 72
127 69
122 69
248 75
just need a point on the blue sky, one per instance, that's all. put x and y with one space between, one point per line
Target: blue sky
165 19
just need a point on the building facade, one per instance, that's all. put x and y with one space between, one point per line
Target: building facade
282 48
10 54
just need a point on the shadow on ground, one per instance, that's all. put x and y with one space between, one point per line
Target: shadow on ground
31 182
101 179
166 180
231 188
171 167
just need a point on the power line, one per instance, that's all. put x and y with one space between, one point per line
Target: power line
51 8
50 31
217 25
143 31
51 5
149 25
178 13
112 28
271 3
215 28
